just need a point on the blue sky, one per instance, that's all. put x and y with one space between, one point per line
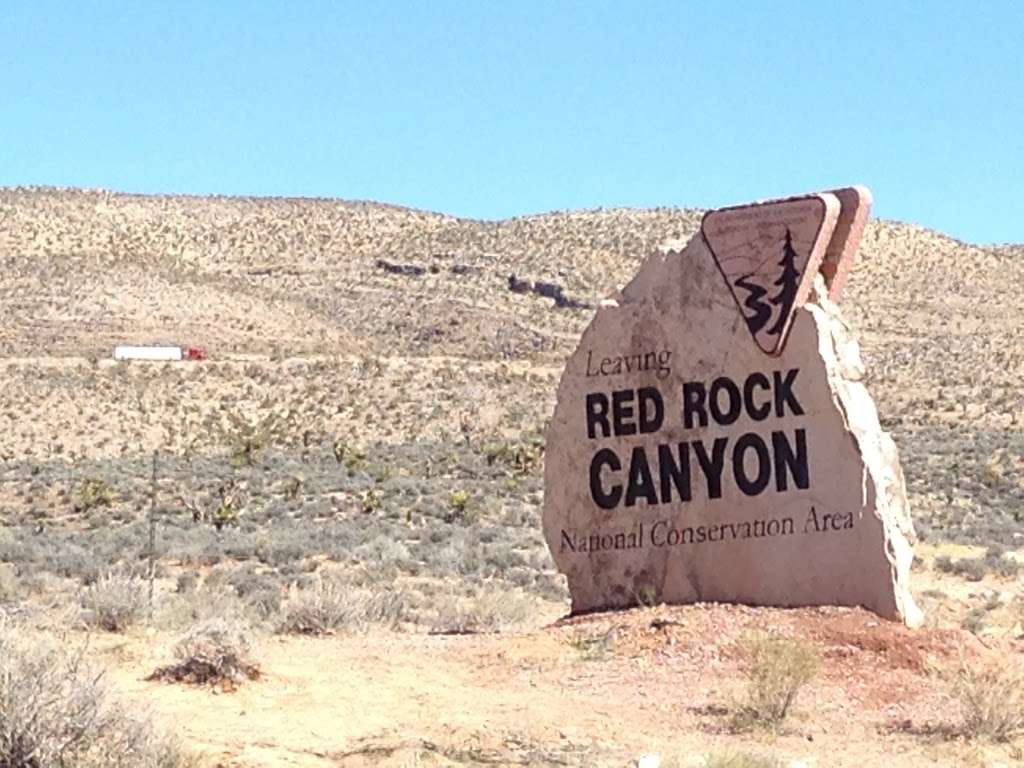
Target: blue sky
489 109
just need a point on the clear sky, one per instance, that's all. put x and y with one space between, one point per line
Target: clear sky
494 109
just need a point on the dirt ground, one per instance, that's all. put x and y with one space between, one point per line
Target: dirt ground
597 690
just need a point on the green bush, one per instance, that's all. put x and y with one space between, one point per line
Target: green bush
93 493
460 502
369 501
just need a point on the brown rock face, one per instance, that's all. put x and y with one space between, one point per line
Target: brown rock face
685 463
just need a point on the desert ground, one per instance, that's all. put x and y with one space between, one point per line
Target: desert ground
346 495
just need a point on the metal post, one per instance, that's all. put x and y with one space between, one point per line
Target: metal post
152 533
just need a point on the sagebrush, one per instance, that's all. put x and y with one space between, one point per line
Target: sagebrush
57 712
991 698
331 604
115 601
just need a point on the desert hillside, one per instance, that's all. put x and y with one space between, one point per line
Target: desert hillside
296 300
362 453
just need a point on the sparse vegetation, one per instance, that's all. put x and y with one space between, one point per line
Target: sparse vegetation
776 669
740 760
522 457
991 697
369 501
215 652
56 711
974 620
224 509
330 604
594 647
247 436
115 601
8 584
489 610
995 560
292 486
461 504
93 493
320 441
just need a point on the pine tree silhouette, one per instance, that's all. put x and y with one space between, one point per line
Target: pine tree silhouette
788 284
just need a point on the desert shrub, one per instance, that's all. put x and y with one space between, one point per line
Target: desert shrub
1003 565
262 591
969 568
338 448
55 711
594 647
291 486
246 438
975 568
739 760
93 493
488 611
182 610
187 581
69 560
991 697
227 512
461 507
114 602
974 620
286 546
224 508
384 551
217 651
522 457
353 458
8 583
15 548
369 501
200 553
330 604
775 668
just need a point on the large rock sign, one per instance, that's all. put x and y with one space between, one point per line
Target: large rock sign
712 439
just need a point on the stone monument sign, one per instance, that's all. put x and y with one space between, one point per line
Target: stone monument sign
713 440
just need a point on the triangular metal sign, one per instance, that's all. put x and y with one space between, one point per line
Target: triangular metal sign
768 254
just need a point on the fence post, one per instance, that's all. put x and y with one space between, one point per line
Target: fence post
152 533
